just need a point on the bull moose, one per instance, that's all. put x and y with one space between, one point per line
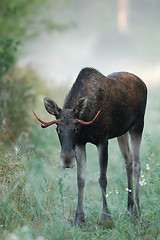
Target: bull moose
97 109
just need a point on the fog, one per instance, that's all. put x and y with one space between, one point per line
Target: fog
118 35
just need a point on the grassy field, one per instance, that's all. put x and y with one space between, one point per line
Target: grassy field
38 199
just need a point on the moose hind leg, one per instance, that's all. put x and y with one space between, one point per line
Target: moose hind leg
123 142
103 162
136 135
81 165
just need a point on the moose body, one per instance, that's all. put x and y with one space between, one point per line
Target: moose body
120 101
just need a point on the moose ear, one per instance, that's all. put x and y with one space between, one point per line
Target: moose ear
51 107
80 107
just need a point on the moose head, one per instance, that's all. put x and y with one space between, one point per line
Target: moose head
68 123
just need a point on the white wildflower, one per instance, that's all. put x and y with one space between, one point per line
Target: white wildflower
147 167
17 148
150 156
117 191
108 194
142 182
128 190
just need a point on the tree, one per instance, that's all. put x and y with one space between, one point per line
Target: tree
19 21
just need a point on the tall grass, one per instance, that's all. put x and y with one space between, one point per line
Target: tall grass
29 193
38 199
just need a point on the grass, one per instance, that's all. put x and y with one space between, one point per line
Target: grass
38 198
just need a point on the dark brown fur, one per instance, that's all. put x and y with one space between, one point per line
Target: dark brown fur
121 97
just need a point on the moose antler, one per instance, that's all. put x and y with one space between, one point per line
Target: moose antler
88 123
46 124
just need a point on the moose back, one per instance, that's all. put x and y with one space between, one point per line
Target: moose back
97 109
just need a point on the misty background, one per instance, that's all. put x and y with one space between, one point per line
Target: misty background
119 35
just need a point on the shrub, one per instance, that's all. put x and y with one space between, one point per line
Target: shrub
16 101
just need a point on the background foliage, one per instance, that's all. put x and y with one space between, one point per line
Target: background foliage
17 88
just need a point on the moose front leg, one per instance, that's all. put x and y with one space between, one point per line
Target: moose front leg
81 165
103 162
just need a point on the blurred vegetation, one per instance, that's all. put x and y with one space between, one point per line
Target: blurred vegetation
17 97
19 19
17 92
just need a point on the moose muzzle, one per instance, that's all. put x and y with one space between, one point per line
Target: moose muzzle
67 159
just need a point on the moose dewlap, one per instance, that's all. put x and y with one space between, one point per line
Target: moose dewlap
97 109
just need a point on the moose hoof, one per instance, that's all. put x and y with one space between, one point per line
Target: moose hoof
107 221
128 214
135 213
79 219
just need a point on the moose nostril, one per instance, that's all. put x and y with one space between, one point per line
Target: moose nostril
67 166
67 159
